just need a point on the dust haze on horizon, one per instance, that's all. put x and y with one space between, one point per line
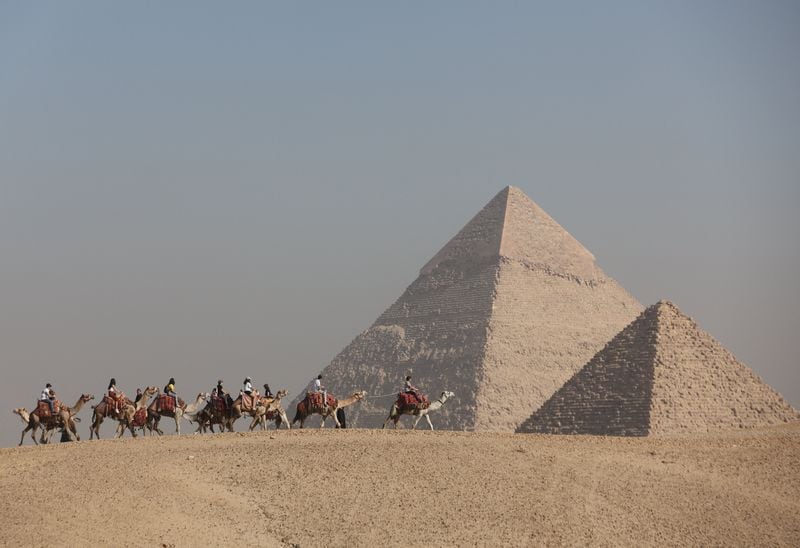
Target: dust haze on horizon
206 192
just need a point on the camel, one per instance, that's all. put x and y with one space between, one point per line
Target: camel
303 410
128 413
46 434
154 413
103 410
209 416
237 411
25 416
396 413
64 418
271 410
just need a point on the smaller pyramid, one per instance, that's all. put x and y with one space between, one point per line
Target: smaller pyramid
662 374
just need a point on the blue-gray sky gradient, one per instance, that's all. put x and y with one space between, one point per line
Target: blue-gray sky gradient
201 190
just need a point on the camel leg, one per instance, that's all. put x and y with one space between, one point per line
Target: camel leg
21 439
155 427
178 423
428 418
94 428
70 431
414 426
336 419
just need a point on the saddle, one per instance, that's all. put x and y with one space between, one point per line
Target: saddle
219 404
409 400
43 408
314 399
249 402
166 403
140 417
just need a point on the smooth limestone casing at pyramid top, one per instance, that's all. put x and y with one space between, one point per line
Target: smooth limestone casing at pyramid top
660 375
503 315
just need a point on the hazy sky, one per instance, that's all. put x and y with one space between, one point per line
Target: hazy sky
229 189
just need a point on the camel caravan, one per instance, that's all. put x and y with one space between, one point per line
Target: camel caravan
217 408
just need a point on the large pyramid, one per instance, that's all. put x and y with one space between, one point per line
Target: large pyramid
503 315
660 375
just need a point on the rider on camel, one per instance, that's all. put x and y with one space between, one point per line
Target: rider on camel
247 388
169 390
409 388
49 396
317 388
268 392
114 393
139 395
223 395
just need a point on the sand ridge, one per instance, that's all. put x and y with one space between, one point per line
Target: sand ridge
371 487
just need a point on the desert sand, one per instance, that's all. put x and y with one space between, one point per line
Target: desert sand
386 488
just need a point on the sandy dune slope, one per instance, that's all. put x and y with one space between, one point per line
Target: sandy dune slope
374 488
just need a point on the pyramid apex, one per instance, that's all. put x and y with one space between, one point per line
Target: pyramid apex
513 227
664 308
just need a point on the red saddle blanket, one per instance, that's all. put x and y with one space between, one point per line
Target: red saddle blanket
140 417
409 399
314 399
219 404
166 403
249 402
112 404
43 408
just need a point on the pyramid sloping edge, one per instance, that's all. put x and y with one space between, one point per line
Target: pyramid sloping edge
611 394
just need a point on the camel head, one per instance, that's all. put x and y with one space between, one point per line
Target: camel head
150 391
282 393
446 395
20 411
360 395
86 397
